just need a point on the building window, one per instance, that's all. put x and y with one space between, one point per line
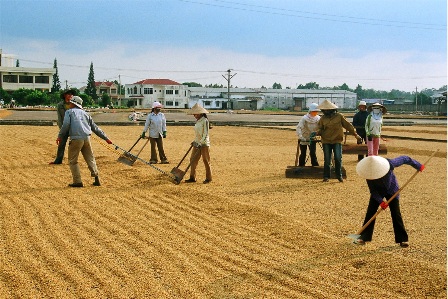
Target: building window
207 103
169 103
42 79
169 91
113 91
25 79
176 91
10 78
135 90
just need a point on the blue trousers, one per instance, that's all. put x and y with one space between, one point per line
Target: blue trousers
336 149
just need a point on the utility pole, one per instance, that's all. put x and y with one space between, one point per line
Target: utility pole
228 86
416 99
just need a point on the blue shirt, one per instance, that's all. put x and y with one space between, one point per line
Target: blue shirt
386 186
79 124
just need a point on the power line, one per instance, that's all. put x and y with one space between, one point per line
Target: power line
320 16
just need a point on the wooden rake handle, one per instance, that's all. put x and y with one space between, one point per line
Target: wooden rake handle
395 195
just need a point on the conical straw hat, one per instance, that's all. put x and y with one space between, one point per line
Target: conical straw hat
372 167
383 109
327 105
197 109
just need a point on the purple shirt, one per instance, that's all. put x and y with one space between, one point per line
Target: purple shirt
386 186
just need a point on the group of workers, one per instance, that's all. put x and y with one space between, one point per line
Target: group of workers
78 125
75 123
378 171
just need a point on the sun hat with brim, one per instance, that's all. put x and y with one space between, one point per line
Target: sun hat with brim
327 105
362 103
377 105
197 109
156 105
313 107
373 167
76 101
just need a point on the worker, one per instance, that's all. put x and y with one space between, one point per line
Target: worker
308 125
330 128
383 184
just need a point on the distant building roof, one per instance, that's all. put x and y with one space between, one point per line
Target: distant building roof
158 82
107 83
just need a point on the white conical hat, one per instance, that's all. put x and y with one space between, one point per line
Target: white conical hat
327 105
197 109
372 167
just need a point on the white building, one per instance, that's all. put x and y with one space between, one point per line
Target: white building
13 78
174 95
168 92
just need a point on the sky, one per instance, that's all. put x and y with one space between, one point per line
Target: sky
380 44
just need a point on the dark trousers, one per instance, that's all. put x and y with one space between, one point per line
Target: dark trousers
363 140
159 143
399 230
336 148
61 149
302 157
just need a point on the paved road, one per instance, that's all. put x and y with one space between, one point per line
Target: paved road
105 117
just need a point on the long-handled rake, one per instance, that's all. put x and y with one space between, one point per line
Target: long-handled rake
128 158
177 172
358 234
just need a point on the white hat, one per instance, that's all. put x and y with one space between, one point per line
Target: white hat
156 105
197 109
372 167
76 101
327 105
377 105
362 103
313 107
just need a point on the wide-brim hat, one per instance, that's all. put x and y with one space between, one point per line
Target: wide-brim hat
362 103
373 167
68 91
383 109
313 108
197 109
76 101
327 105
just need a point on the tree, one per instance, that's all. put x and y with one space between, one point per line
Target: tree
36 97
309 85
91 88
192 84
276 86
344 87
56 83
105 100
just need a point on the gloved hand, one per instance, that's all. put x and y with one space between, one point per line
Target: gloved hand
143 135
370 137
313 136
164 134
58 140
109 141
422 168
358 138
196 144
384 205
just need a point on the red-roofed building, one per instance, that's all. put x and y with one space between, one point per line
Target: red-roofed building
107 87
169 93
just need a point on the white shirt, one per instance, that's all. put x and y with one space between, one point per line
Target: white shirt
156 124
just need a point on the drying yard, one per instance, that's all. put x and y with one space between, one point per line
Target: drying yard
251 233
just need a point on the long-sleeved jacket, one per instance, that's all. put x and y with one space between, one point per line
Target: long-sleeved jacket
359 122
386 186
201 129
60 109
80 125
156 124
331 128
374 125
305 127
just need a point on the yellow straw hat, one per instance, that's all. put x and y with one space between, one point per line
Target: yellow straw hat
327 105
197 109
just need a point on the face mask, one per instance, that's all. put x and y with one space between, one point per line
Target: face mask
328 112
376 110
